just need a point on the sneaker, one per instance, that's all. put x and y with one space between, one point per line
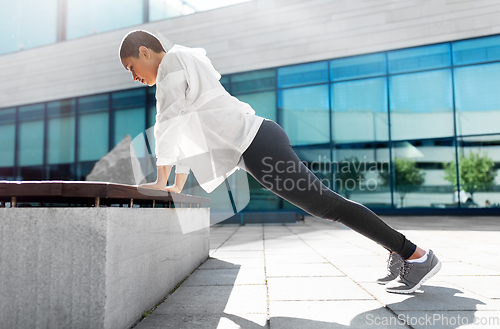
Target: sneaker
412 275
393 264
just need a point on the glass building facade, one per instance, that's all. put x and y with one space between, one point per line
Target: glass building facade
409 128
28 24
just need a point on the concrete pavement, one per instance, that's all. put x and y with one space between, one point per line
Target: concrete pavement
320 274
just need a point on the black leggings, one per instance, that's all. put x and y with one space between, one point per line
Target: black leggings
271 160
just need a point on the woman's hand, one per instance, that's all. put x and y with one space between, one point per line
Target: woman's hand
173 188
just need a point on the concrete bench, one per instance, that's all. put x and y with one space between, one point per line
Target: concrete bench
97 266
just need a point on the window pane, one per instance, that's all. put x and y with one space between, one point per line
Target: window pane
304 114
150 131
130 122
93 104
357 67
359 110
96 16
128 98
306 74
224 81
419 174
61 140
30 150
357 168
421 105
253 81
32 112
476 51
31 135
478 99
479 178
417 59
26 24
7 137
264 103
61 172
61 108
163 9
92 136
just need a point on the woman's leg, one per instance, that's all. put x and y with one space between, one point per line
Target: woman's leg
271 160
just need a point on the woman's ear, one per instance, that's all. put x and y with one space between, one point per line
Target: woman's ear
144 51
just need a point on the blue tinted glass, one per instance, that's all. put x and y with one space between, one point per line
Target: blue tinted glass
299 75
225 82
163 9
30 147
305 114
93 103
357 67
357 169
421 105
130 122
423 159
61 140
417 59
7 116
360 110
478 99
95 16
7 137
263 103
476 50
128 98
93 135
62 107
26 24
31 112
253 81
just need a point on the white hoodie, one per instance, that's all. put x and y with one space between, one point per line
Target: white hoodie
199 125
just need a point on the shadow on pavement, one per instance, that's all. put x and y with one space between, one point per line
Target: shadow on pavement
398 314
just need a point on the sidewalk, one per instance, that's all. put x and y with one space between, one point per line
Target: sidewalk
319 274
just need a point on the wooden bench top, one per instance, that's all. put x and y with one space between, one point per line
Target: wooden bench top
57 190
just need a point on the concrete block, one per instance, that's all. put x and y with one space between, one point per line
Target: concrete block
93 267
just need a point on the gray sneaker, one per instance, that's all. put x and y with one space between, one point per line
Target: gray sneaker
412 275
393 264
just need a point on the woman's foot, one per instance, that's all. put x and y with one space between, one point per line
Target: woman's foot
394 262
153 185
413 274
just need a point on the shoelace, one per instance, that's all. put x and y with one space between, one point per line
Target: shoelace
391 261
403 270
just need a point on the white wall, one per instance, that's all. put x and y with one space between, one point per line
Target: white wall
249 36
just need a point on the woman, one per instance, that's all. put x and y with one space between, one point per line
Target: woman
201 127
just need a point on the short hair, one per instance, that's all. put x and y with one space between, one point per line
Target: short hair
134 39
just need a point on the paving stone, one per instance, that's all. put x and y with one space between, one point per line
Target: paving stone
226 277
315 288
215 300
329 314
238 263
433 295
302 270
450 319
231 254
487 286
203 321
294 259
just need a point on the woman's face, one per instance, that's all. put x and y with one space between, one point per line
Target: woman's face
143 69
